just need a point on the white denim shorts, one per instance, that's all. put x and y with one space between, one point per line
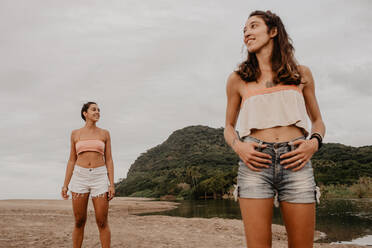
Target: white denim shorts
93 180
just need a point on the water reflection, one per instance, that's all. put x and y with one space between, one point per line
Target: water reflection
341 220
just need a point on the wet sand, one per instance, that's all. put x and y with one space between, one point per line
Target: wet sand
49 223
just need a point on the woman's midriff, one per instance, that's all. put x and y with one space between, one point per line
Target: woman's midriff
277 134
90 159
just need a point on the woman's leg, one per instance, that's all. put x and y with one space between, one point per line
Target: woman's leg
101 205
299 220
79 205
257 217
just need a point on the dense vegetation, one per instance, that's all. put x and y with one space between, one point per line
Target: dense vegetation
196 162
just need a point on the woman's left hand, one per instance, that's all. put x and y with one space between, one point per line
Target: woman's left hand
298 158
111 192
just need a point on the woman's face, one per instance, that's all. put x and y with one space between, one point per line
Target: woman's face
255 34
93 113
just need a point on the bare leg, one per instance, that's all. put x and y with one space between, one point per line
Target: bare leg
79 205
101 205
299 219
257 217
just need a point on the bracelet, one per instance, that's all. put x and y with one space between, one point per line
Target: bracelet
64 187
319 138
320 135
317 135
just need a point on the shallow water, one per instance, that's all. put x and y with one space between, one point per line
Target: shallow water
342 220
366 240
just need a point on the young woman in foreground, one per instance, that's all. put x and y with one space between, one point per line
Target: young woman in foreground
93 174
272 94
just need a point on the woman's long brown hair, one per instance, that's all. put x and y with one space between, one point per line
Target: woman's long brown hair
284 65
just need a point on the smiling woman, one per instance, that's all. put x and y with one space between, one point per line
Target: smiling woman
90 171
271 94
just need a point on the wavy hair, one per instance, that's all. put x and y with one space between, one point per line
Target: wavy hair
284 65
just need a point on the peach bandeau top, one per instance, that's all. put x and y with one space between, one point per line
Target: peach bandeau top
281 105
92 145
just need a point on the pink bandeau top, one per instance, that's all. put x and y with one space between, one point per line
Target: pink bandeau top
92 145
281 105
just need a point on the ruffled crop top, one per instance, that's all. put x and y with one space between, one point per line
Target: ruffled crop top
281 105
92 145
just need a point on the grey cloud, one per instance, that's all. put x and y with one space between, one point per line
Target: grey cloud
155 67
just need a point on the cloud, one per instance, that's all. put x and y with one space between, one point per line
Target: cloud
154 67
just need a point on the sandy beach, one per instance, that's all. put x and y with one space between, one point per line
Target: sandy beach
49 223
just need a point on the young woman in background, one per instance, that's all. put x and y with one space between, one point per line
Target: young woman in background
91 171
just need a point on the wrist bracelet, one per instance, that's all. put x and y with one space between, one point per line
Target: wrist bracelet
318 137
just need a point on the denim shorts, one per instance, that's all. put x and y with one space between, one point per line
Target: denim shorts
275 181
93 180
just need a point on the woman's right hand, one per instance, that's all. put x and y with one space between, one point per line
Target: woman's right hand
64 193
251 157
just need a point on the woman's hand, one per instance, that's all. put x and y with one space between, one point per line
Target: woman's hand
298 158
252 158
64 193
111 192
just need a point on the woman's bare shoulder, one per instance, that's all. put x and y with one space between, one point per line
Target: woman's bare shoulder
75 134
235 77
234 81
104 132
304 71
75 131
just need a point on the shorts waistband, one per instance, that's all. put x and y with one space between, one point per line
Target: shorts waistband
96 169
272 144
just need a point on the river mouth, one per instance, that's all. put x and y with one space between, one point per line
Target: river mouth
342 220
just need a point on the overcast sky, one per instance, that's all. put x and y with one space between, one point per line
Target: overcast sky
155 67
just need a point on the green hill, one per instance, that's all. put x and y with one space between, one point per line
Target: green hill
196 161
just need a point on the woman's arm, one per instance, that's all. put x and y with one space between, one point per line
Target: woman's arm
232 110
312 107
298 158
246 151
70 166
109 165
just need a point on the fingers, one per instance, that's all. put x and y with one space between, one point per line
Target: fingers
111 194
289 154
249 165
256 164
294 152
262 161
293 164
291 159
64 195
256 161
262 155
297 142
302 164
